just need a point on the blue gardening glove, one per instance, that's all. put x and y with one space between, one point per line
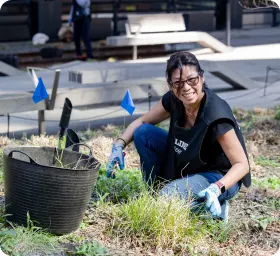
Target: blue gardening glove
116 157
211 195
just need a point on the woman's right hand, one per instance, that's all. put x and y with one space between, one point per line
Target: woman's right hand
116 157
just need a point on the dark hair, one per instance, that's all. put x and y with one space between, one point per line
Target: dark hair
178 60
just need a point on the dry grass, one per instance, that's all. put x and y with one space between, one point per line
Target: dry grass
102 145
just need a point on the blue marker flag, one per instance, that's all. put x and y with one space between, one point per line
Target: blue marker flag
127 103
40 92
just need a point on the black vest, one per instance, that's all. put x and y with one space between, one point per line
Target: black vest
184 145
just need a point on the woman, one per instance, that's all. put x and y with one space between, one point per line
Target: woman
203 152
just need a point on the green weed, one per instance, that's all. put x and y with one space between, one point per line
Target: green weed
273 203
83 225
271 199
277 113
89 248
127 184
217 230
82 246
261 222
272 182
265 161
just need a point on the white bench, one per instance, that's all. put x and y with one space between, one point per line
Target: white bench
153 29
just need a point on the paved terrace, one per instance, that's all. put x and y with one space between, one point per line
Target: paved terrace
249 61
243 37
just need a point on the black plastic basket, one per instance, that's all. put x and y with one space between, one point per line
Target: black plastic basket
55 197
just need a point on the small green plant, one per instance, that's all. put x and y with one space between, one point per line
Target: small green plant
273 203
261 222
272 182
277 113
88 248
265 161
100 200
217 230
83 225
128 183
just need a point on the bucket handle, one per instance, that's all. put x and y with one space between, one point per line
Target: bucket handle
32 161
81 144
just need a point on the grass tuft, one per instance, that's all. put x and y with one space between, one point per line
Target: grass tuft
160 221
22 241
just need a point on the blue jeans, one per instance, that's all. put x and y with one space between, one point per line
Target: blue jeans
150 142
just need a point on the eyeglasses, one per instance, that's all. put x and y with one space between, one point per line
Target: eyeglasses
193 81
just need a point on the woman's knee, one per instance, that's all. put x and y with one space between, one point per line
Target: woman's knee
175 188
196 183
141 133
189 185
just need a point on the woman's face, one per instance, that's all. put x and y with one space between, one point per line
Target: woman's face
189 90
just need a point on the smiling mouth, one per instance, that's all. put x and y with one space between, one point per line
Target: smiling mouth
189 94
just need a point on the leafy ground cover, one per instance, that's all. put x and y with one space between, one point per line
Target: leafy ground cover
125 218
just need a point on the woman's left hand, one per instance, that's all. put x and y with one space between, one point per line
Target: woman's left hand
211 195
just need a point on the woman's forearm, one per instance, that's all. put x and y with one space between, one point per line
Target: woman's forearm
235 174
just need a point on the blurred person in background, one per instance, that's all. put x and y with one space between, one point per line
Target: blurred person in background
80 17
